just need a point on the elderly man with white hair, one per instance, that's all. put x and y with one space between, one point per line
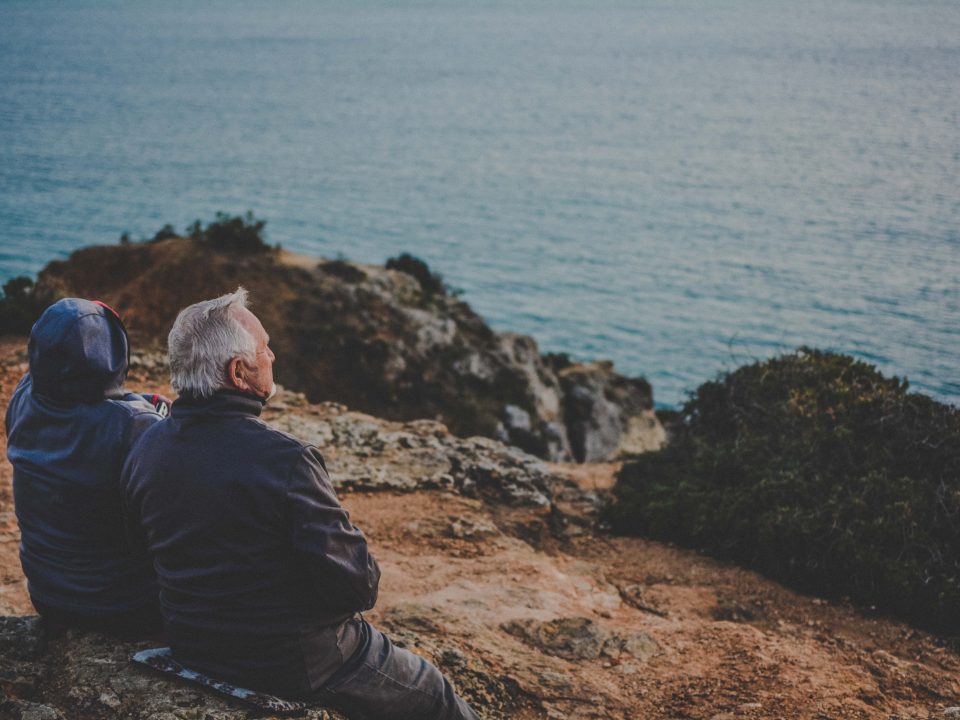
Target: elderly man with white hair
262 576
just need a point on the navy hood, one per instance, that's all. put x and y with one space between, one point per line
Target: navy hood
78 352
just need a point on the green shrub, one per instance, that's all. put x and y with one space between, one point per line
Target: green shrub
816 470
557 361
342 269
164 233
238 233
21 304
430 282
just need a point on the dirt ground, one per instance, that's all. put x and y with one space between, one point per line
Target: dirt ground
460 575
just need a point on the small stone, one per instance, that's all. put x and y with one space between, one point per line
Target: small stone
191 713
747 707
554 679
467 529
35 711
184 698
109 699
885 657
612 648
952 712
641 646
516 417
451 657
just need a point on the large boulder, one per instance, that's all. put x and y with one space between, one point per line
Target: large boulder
75 675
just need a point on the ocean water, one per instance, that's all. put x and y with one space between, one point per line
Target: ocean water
682 186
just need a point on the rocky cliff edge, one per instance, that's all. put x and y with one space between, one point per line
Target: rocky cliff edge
493 569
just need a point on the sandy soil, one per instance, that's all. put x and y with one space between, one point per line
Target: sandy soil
13 586
727 643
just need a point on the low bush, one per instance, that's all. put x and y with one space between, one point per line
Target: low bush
430 282
164 233
557 361
21 305
816 470
342 269
238 233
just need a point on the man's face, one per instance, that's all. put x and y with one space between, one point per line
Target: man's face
256 379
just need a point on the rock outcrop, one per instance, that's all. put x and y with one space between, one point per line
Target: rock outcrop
75 675
380 341
607 414
372 455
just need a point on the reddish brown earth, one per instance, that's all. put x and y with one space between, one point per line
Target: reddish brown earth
727 643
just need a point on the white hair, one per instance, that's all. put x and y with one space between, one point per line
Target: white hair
204 338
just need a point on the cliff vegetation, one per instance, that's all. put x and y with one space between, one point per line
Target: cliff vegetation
816 470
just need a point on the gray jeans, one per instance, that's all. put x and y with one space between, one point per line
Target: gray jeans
384 682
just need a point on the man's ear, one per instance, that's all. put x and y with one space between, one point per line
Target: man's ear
235 374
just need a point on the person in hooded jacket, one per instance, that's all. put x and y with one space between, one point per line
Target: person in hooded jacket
69 426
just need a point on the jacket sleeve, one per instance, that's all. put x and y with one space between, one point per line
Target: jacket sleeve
344 573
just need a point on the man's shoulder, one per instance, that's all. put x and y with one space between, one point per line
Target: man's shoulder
267 433
288 451
130 405
132 415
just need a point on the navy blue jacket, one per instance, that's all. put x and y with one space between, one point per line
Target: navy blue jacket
258 563
69 427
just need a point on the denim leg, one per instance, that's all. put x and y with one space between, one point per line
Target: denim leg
384 682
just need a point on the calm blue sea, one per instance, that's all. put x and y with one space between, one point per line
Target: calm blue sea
682 185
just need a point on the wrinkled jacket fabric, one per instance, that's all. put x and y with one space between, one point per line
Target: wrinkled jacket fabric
69 427
258 564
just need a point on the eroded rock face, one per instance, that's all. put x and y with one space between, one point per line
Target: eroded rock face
376 340
365 453
607 414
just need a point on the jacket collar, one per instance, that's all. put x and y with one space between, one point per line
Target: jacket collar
222 402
